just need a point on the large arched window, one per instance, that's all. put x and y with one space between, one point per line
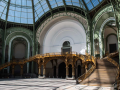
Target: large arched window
66 47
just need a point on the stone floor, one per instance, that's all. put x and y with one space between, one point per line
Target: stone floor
44 84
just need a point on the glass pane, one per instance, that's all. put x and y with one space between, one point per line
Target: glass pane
11 18
23 20
17 20
95 2
20 11
89 5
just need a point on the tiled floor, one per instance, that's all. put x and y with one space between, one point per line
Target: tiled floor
43 84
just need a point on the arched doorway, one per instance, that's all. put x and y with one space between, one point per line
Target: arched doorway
112 44
62 70
70 71
79 70
17 70
53 36
66 47
49 69
19 51
54 71
17 40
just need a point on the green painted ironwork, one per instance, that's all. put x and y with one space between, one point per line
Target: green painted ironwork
78 17
116 7
98 20
4 34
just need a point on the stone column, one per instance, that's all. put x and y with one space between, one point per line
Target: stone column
21 73
67 71
57 71
73 72
44 71
13 71
39 71
76 71
86 68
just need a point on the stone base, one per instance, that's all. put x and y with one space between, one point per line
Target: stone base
41 77
70 78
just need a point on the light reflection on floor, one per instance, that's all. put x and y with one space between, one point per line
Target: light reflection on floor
34 84
45 84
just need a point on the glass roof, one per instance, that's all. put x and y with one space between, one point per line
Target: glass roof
20 11
92 3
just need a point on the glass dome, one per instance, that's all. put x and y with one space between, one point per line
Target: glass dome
21 11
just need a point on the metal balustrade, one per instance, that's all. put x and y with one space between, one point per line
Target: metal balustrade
44 58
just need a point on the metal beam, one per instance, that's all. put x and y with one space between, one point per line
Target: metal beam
34 35
98 1
92 4
64 5
33 26
85 5
49 6
4 33
90 28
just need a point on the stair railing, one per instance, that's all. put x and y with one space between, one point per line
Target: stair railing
117 79
86 74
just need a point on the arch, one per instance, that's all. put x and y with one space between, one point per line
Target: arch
79 70
70 70
66 47
112 34
62 70
16 33
19 29
9 51
66 44
98 19
61 16
107 8
58 33
53 59
101 32
49 69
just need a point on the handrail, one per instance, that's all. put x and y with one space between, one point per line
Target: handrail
109 58
86 74
117 84
38 56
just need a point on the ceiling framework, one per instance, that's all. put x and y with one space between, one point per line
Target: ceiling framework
21 13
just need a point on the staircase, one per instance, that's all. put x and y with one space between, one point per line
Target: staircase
104 74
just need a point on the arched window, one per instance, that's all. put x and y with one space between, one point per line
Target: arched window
66 47
66 44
